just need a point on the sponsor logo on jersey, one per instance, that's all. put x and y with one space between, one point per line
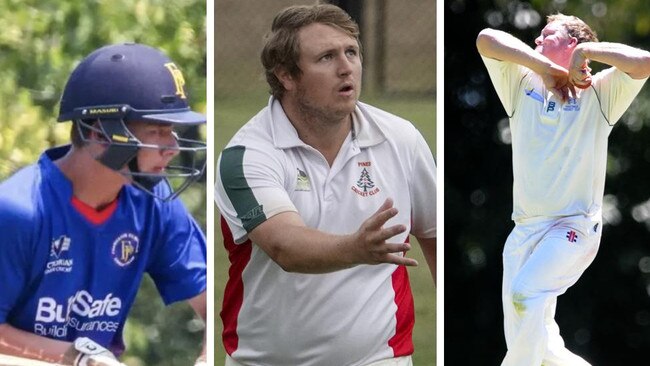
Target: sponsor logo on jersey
533 94
365 186
302 183
571 105
125 248
81 312
60 246
254 213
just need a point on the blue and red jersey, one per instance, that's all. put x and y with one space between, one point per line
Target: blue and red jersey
67 271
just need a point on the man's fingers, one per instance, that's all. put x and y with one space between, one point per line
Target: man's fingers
378 220
389 232
399 260
388 203
380 236
396 248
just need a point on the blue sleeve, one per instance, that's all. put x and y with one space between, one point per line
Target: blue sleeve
15 242
179 264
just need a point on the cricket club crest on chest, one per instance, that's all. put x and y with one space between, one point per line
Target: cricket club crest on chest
125 248
365 186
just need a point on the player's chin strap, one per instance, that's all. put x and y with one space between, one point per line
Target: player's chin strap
86 352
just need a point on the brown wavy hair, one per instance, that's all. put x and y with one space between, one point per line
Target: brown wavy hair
282 47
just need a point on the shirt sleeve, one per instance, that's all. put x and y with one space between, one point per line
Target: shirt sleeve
250 188
616 90
506 78
15 243
423 190
179 262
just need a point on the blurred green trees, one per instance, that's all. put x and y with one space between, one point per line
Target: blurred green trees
40 43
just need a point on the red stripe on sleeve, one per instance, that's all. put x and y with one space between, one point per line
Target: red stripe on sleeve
239 256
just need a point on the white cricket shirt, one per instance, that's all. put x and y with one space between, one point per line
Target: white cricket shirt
349 317
559 150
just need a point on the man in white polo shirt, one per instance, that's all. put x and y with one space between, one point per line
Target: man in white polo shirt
560 119
318 194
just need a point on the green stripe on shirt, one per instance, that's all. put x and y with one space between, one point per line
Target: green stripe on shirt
231 170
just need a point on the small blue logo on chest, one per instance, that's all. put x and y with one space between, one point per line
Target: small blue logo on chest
571 105
533 94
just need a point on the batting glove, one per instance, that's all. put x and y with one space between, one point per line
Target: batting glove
92 354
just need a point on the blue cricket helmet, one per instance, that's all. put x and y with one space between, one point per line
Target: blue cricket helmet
133 75
122 83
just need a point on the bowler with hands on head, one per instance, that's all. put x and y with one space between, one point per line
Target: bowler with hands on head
318 194
82 225
560 119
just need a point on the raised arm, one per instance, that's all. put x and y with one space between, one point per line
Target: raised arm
503 46
298 248
633 61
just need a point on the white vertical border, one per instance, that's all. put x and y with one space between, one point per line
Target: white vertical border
440 196
209 222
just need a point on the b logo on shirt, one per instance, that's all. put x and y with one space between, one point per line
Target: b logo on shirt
551 106
124 249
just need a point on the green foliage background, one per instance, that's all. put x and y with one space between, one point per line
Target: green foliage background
40 43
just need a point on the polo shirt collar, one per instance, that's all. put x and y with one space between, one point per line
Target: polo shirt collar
366 130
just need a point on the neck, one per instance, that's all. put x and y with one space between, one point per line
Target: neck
92 183
324 133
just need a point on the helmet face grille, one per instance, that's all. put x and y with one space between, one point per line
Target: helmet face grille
121 151
124 83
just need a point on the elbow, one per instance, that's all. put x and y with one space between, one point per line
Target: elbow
644 69
286 264
282 257
484 39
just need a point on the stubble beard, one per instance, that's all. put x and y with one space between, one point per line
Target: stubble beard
321 116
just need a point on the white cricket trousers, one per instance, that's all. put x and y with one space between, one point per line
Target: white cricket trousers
399 361
541 261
